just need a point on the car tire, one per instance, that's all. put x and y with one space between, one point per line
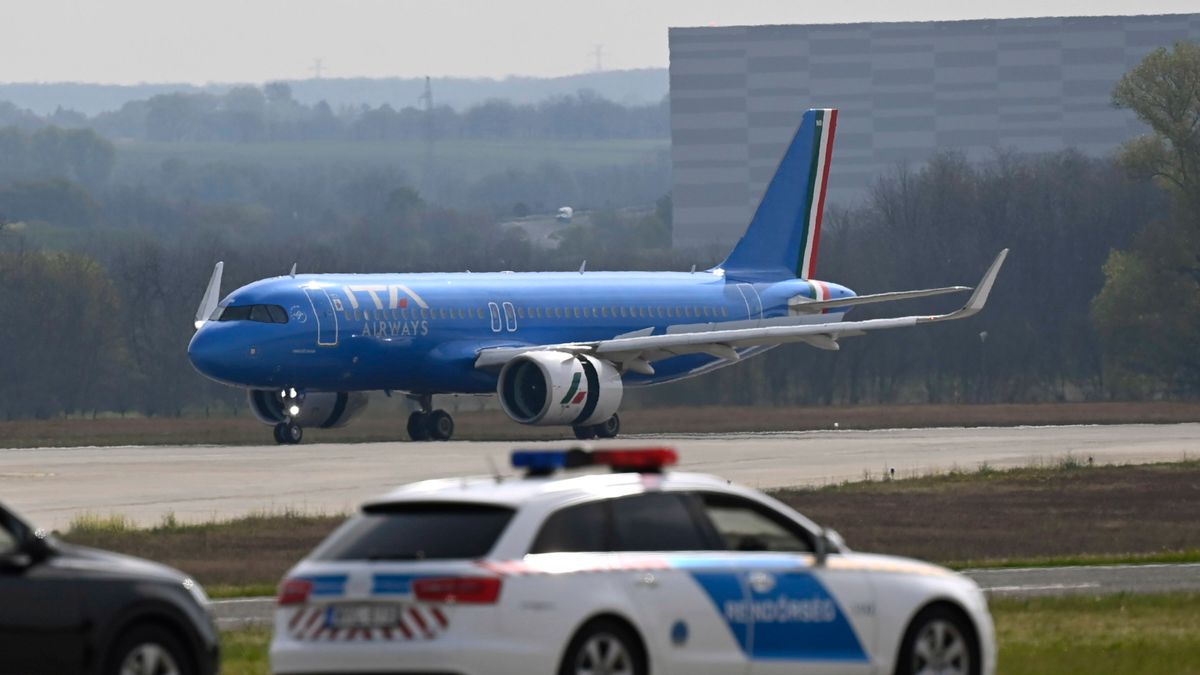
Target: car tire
939 639
149 650
606 643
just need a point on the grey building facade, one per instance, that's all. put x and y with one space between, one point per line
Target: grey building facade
905 91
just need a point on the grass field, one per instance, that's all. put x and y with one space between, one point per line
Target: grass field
1061 514
1130 635
386 423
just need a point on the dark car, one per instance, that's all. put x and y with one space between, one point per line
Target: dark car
68 609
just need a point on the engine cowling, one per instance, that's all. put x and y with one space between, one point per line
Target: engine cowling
321 409
558 388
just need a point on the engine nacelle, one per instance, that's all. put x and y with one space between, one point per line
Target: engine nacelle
549 388
321 409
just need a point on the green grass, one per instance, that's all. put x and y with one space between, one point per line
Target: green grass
1161 558
1126 634
244 651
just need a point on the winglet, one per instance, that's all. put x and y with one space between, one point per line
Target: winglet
980 297
208 303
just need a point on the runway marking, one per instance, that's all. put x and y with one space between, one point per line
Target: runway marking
1042 587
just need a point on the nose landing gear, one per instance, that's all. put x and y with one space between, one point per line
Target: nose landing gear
288 433
427 424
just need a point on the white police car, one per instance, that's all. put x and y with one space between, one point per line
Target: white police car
634 572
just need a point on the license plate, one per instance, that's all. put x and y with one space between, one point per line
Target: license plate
362 616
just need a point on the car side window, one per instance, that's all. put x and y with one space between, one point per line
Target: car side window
575 529
745 525
656 521
8 541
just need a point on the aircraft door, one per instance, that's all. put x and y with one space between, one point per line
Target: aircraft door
495 311
510 317
323 314
753 302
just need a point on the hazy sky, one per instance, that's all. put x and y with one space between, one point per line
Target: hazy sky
126 41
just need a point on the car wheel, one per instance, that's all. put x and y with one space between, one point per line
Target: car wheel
939 640
149 650
604 648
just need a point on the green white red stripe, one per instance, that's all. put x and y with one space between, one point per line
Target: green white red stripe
826 127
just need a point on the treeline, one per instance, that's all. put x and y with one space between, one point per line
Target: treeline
136 290
271 113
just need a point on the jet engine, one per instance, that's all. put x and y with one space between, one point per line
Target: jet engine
321 409
557 388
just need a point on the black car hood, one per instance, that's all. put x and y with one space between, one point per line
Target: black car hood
82 558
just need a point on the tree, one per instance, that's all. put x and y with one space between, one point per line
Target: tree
1164 92
1148 313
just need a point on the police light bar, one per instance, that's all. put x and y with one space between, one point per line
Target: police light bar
546 462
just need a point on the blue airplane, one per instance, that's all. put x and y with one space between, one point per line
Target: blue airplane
559 348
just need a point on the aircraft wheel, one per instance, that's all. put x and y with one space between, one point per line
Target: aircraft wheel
291 433
440 425
278 432
584 433
609 428
418 427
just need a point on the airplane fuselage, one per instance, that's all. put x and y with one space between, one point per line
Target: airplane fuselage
423 332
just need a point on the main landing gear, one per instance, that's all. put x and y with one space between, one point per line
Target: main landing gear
606 429
427 424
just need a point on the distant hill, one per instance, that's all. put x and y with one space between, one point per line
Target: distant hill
622 86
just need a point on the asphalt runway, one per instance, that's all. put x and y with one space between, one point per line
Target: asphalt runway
53 485
1019 583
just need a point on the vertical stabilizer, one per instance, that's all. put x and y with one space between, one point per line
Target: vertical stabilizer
785 233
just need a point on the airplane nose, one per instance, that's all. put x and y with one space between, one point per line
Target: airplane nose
205 353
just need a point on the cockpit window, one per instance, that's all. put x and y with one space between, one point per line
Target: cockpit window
259 313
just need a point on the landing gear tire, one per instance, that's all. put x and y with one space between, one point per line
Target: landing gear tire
288 433
418 426
585 433
440 425
608 428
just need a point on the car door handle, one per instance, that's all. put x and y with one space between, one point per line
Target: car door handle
647 580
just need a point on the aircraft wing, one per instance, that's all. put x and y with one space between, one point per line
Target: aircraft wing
636 352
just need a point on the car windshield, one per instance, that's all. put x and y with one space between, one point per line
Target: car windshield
417 531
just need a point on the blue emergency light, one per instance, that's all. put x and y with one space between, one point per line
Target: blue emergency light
546 462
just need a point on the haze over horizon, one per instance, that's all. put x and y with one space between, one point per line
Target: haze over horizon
222 41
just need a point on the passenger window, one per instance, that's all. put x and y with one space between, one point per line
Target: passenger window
744 525
478 313
424 313
624 312
604 312
278 315
655 521
576 312
724 311
575 529
520 312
